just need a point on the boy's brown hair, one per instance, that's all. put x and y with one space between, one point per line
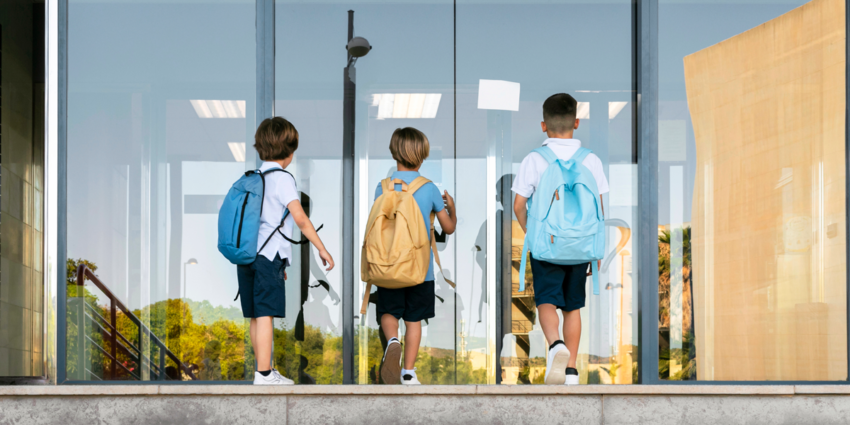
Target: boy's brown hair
409 147
275 139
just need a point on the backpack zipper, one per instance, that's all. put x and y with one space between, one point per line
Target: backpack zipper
241 218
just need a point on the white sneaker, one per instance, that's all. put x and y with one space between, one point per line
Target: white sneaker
286 381
571 378
391 364
556 365
272 379
410 379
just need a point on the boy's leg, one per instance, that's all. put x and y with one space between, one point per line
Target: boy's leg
412 338
391 362
549 321
572 333
575 296
264 338
389 324
549 296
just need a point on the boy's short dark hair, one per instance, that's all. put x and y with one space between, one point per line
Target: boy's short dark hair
275 139
559 113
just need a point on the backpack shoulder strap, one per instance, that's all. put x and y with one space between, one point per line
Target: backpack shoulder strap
580 155
547 153
387 185
434 249
417 183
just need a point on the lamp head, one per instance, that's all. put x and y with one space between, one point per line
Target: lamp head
358 47
192 261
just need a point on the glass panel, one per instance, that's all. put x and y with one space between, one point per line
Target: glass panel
411 63
161 103
752 234
593 62
21 200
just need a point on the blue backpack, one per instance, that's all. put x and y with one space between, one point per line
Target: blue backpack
565 222
239 218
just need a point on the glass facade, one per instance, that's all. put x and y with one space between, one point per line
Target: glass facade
163 100
161 109
22 197
598 73
751 191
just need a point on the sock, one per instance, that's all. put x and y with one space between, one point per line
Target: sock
411 372
572 371
556 343
265 372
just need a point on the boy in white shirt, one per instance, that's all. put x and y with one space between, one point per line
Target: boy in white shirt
557 286
261 283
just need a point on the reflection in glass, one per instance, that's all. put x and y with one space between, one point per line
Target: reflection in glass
22 171
155 139
494 138
751 241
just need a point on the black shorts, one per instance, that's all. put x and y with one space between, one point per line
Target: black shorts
261 288
561 286
411 304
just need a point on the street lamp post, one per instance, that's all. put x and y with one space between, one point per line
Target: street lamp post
357 47
191 262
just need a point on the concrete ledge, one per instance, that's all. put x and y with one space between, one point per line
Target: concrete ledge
353 390
426 405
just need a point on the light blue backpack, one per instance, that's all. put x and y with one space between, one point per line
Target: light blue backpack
239 218
565 222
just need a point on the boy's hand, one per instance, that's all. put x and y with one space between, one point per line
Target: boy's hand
327 260
598 266
449 201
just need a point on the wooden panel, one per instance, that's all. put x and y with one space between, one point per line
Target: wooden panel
769 199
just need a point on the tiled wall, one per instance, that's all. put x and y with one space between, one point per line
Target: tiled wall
21 199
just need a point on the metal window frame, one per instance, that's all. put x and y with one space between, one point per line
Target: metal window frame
646 99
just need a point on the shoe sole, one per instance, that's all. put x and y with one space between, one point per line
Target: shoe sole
391 367
558 374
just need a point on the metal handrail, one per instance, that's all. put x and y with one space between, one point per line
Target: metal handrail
84 273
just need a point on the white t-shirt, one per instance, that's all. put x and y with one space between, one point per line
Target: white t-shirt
280 191
533 166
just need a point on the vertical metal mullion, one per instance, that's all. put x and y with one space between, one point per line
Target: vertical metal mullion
847 172
646 70
265 60
61 187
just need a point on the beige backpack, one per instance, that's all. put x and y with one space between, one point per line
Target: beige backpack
396 252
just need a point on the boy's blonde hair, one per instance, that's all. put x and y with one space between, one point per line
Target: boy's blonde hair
409 147
275 139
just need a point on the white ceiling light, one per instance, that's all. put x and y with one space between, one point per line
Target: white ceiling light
402 102
219 108
385 106
583 111
238 151
407 105
432 103
614 108
201 108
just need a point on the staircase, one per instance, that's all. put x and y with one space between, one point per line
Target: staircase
115 344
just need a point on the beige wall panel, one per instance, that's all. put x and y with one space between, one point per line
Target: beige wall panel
769 244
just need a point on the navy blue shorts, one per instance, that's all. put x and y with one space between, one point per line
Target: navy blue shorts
561 286
411 304
261 288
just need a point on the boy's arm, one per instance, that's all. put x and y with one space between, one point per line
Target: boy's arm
303 222
447 216
520 210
